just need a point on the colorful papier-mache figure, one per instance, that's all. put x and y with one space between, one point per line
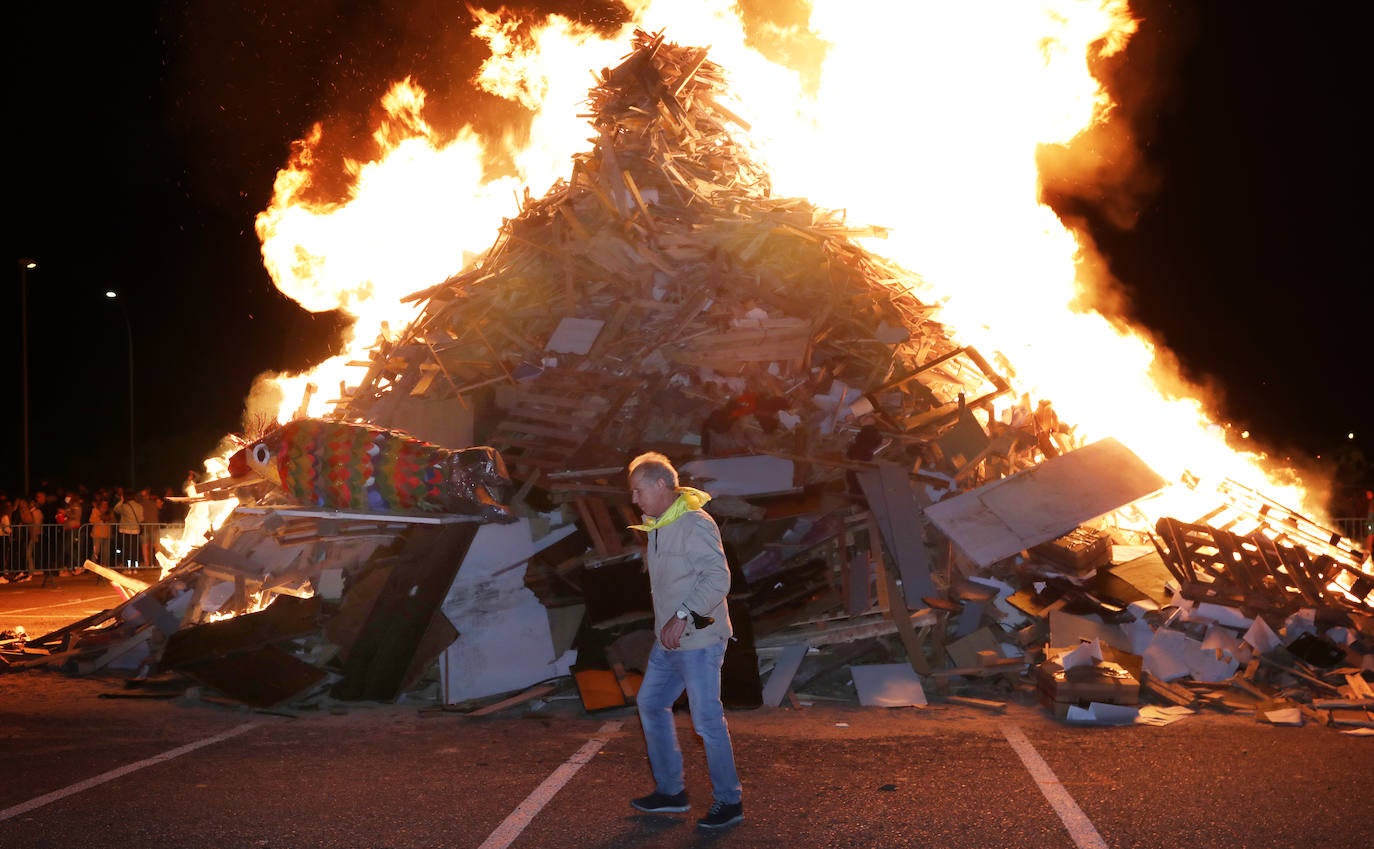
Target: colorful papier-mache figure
360 467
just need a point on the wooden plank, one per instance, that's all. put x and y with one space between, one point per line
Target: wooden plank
155 613
639 199
1326 704
578 399
119 579
538 691
537 461
783 672
1169 692
415 587
966 650
887 685
878 623
856 574
892 502
1001 666
568 433
901 617
610 335
875 559
531 446
139 638
1359 687
982 704
595 529
1045 502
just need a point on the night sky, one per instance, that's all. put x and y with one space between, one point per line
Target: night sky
144 139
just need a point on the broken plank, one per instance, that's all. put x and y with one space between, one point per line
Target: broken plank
902 619
1000 666
781 678
117 578
538 691
983 704
893 505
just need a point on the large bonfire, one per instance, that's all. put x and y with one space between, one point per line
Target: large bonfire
664 296
945 157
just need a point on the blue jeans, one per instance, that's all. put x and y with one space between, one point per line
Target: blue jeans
698 672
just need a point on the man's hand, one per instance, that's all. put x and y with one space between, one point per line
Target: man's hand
671 636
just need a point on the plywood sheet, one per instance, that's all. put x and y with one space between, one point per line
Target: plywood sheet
783 673
574 335
894 504
505 638
888 685
1044 502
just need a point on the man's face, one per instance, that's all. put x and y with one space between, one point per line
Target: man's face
651 496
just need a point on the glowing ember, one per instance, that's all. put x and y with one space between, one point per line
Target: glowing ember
924 119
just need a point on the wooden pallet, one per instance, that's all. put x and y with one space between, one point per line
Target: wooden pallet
552 417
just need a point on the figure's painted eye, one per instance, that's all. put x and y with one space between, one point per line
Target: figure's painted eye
261 454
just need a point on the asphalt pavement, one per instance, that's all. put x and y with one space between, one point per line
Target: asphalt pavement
110 762
66 598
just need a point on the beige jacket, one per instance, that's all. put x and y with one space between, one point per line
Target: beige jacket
687 571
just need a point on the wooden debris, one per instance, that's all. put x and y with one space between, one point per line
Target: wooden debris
982 704
661 297
524 697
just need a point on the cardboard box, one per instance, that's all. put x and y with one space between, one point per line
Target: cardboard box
1106 682
1081 550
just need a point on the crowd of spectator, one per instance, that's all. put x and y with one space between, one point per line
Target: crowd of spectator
54 530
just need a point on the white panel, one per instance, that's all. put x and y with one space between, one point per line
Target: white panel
504 639
1043 503
888 685
748 475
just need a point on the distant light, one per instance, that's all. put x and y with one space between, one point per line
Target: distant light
27 264
110 293
1350 435
1245 434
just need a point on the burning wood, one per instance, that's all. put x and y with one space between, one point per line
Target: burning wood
662 298
664 261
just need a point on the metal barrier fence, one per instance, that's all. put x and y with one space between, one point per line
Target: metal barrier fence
1357 530
55 548
32 550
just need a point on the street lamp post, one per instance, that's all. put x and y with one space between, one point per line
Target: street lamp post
129 331
25 266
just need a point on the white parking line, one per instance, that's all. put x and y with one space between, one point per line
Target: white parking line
25 807
1080 828
526 811
56 605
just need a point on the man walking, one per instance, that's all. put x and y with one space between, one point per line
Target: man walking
689 579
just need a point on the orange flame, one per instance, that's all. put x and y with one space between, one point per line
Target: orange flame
925 119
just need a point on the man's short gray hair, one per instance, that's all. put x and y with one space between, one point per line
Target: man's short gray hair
653 466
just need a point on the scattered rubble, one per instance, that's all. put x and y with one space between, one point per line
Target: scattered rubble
892 539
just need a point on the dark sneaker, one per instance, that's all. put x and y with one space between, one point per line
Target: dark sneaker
662 803
722 815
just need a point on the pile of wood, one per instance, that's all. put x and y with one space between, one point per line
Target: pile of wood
888 534
283 605
662 291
